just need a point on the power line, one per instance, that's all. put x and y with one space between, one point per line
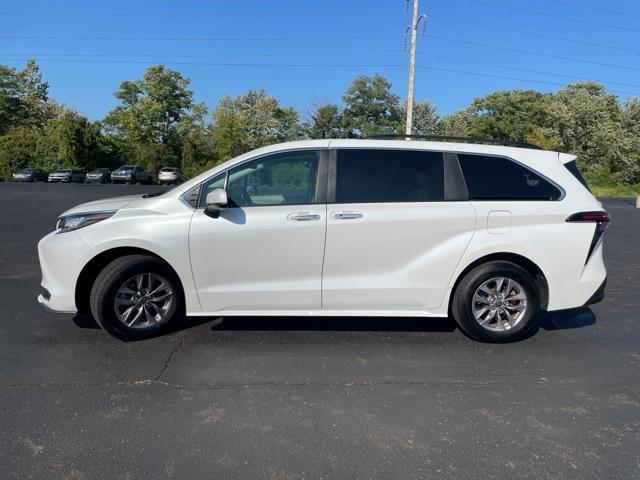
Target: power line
553 15
198 55
466 72
532 52
312 65
522 69
301 54
535 34
596 9
203 14
193 39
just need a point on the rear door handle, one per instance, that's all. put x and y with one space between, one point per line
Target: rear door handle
347 215
304 217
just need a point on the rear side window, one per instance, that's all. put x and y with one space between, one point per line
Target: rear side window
386 176
498 178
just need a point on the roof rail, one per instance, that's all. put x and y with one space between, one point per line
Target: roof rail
440 138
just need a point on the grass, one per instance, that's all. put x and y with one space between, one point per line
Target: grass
619 190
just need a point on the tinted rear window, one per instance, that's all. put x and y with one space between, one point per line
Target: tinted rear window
499 178
380 176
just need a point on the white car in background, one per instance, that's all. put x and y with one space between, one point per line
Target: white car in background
66 175
170 175
487 234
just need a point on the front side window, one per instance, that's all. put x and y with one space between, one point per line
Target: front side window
287 178
385 176
499 178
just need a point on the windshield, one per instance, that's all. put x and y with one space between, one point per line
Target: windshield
127 168
27 170
63 171
100 170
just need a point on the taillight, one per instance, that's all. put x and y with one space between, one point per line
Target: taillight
601 219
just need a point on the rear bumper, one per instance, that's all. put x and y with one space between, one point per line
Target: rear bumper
598 296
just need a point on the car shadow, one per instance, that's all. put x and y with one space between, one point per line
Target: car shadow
549 321
335 324
567 319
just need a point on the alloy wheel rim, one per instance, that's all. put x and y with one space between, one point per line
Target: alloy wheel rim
144 300
499 304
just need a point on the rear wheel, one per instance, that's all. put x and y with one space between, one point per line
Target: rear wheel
496 302
135 297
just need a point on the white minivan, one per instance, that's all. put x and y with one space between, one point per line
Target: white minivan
487 234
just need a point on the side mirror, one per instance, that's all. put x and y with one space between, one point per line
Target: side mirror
216 200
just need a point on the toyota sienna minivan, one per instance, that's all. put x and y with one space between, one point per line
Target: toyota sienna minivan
487 234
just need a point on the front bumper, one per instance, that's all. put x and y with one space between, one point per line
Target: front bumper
121 178
59 179
62 257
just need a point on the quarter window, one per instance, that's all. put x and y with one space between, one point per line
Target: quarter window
385 176
498 178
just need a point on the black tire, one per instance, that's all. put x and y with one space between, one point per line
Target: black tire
462 302
113 276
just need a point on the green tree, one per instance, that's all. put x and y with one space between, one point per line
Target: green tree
426 120
252 120
149 115
630 161
458 124
17 150
511 114
588 122
370 107
326 122
33 93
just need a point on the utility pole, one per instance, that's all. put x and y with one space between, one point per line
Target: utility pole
412 63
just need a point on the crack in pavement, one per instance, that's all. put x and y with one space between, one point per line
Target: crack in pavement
166 364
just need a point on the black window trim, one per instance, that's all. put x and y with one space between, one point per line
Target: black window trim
321 179
563 192
455 188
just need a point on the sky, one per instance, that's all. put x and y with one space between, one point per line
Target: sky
307 52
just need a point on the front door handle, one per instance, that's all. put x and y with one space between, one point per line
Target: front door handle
304 217
347 215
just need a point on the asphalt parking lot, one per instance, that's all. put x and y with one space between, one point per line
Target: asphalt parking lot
294 398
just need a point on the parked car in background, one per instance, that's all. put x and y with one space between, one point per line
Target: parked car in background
131 174
30 175
487 234
99 175
170 175
66 175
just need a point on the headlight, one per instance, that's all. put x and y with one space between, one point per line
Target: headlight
81 220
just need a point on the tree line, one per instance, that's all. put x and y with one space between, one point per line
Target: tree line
159 123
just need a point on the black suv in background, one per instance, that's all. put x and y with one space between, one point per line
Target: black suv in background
131 174
99 175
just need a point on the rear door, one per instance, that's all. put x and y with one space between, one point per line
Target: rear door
395 228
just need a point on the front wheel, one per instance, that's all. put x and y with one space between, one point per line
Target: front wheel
135 297
496 302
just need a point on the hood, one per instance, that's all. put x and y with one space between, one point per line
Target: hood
59 174
115 203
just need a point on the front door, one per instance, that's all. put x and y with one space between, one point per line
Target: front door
394 233
265 250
